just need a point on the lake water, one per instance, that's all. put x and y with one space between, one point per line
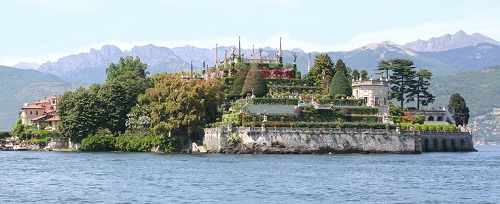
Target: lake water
82 177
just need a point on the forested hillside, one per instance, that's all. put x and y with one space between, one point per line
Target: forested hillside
480 89
21 86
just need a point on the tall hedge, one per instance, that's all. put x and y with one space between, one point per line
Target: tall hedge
340 85
255 81
239 80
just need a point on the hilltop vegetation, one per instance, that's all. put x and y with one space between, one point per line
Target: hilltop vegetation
481 89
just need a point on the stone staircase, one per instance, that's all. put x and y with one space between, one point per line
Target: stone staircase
200 149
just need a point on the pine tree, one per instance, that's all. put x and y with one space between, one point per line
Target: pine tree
401 78
419 89
255 81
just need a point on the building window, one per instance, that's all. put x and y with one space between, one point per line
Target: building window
31 112
376 101
365 100
36 112
385 101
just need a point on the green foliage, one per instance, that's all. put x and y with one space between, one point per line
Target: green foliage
127 65
323 68
276 101
234 139
395 110
183 107
105 106
340 84
364 74
396 119
360 110
130 144
234 118
419 89
22 131
239 80
355 74
458 108
41 142
5 134
476 87
418 119
255 83
401 78
99 143
341 102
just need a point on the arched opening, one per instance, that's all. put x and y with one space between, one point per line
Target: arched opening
440 118
430 118
453 146
462 145
445 147
426 145
435 145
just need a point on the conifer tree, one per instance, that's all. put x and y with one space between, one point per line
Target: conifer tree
340 85
355 74
239 80
418 88
255 81
458 108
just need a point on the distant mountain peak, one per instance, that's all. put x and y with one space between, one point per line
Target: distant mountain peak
448 42
27 65
387 46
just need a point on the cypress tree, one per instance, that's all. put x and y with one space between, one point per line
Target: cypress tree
340 85
255 80
239 80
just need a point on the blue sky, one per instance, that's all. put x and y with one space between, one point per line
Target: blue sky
38 31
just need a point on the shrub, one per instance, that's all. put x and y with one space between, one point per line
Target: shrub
417 126
99 143
425 127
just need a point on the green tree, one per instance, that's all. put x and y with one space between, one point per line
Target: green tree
126 81
127 64
82 113
183 108
401 78
355 74
239 80
384 66
419 89
459 110
364 74
323 68
340 85
105 106
255 82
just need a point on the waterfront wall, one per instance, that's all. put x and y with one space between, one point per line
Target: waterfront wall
319 140
310 140
446 142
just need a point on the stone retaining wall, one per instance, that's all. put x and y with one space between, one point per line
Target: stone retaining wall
319 140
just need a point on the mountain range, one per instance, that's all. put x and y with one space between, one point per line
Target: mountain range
448 54
444 56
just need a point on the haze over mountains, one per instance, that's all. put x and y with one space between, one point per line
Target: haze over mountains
443 56
448 54
449 42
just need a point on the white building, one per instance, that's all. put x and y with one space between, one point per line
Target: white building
374 92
